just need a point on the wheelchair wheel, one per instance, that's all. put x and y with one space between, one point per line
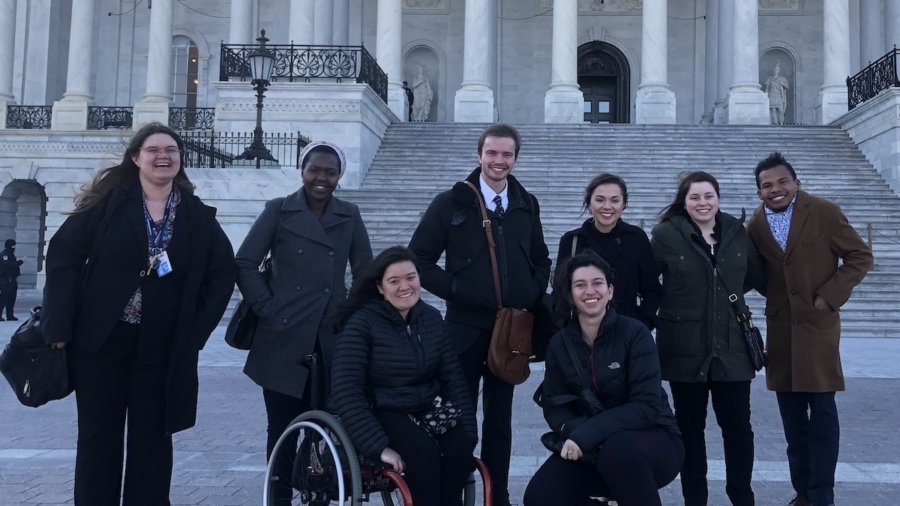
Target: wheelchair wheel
326 467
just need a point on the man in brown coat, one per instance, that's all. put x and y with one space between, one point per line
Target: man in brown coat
801 238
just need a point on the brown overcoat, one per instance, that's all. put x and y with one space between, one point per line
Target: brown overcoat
802 342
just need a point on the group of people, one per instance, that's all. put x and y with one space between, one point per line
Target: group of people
140 273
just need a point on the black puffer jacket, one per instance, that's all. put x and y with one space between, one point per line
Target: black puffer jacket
382 362
631 257
623 369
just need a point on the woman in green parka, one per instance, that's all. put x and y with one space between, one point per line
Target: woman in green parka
700 251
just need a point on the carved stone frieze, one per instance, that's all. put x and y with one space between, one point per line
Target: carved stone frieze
598 6
779 5
298 105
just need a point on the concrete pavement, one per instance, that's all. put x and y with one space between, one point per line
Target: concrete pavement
222 462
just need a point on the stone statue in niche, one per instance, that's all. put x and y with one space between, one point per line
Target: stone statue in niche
422 96
776 87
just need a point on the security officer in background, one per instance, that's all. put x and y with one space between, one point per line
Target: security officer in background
9 274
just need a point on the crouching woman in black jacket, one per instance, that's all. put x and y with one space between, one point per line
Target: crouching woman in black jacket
613 433
392 361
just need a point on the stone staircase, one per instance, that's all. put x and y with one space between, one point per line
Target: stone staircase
418 160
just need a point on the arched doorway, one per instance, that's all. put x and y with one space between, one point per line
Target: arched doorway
604 77
23 213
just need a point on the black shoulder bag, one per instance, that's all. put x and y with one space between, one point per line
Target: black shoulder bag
751 333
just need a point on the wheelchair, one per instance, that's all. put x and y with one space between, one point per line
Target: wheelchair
327 469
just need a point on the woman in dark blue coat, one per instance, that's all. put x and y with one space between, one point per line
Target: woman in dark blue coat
311 236
392 361
138 277
623 245
613 433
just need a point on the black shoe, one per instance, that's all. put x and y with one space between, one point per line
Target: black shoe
11 319
799 501
1 319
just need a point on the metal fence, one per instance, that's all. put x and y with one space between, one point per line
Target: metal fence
104 118
870 81
192 118
28 116
303 63
209 149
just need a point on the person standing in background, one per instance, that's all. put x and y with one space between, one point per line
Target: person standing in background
10 269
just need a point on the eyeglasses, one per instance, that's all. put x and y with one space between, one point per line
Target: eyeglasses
154 151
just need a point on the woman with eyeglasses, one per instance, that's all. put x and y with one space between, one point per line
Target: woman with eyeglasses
138 277
311 237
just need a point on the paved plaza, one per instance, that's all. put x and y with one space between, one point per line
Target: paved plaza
221 461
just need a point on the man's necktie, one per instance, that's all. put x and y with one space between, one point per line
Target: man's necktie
498 201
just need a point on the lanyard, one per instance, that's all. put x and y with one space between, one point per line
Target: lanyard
155 237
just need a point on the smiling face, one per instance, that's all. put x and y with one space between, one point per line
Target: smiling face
400 286
320 175
158 160
497 159
591 293
606 206
777 187
702 203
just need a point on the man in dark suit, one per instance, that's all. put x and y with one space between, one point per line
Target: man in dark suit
802 237
9 279
453 225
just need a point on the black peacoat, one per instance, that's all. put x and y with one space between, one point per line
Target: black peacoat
309 262
98 258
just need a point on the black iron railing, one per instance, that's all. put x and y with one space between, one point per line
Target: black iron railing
208 149
304 63
192 118
870 81
104 118
28 116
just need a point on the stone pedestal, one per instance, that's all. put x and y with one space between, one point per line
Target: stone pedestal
473 105
832 104
564 104
69 114
747 105
3 103
397 101
655 105
148 111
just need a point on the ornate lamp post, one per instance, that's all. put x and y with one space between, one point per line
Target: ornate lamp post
262 62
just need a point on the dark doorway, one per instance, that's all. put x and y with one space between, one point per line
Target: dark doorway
603 75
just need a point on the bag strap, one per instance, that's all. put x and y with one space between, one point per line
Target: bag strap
576 362
742 312
486 224
574 245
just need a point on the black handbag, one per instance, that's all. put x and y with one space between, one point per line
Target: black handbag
751 333
36 372
242 326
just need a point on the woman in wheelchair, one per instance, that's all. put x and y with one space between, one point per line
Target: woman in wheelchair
613 433
392 361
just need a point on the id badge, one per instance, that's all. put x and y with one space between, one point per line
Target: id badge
163 266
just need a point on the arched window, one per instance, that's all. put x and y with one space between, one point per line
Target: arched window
185 61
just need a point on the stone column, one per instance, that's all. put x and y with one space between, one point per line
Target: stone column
474 101
655 101
7 55
155 104
726 54
323 22
71 113
747 103
872 24
836 61
300 27
563 102
387 53
891 25
341 23
240 26
710 87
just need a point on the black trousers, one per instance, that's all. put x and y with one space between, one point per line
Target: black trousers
281 410
497 397
115 388
813 433
731 404
436 468
9 290
630 467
